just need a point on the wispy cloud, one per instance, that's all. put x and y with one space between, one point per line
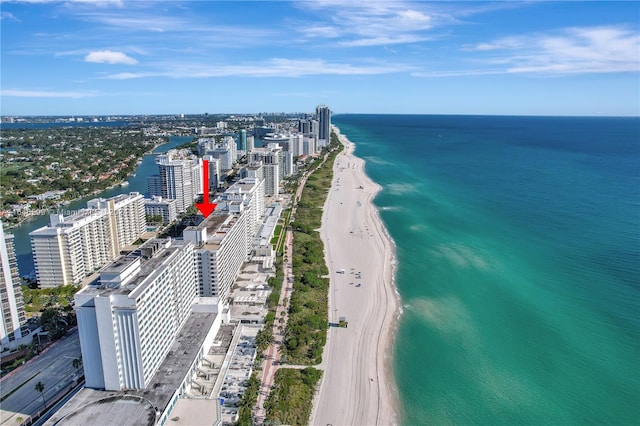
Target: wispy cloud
605 49
385 40
8 15
110 57
68 2
133 21
276 67
370 23
45 94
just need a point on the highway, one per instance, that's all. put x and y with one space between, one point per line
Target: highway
53 367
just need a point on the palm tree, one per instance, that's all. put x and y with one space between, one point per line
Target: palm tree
40 388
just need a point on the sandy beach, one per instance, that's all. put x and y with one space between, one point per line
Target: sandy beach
358 386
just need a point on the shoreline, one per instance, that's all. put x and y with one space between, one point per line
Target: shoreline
358 385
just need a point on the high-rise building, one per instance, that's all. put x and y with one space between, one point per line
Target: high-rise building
127 322
179 178
304 126
221 248
309 146
250 192
12 323
323 115
297 147
225 151
242 136
269 158
72 247
127 213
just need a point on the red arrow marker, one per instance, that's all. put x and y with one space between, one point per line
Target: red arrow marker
205 208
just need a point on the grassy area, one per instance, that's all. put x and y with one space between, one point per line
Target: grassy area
306 335
291 397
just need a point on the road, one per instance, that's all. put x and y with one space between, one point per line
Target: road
53 368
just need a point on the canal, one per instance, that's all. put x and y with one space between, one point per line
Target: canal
137 183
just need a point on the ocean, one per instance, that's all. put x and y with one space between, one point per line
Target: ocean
518 247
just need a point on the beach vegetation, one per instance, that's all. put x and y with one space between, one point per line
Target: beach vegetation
248 400
291 396
305 334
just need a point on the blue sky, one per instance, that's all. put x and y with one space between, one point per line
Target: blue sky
144 57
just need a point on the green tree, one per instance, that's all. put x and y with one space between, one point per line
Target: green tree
52 321
40 388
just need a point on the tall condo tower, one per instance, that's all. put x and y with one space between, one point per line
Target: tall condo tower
323 115
243 139
11 302
178 178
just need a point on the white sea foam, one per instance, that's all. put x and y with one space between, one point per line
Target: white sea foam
378 160
446 314
418 227
401 188
462 256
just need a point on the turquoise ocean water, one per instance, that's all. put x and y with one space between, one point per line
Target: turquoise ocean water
518 244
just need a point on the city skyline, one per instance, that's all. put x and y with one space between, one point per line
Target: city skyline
85 57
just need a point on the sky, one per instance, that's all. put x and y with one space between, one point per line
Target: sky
92 57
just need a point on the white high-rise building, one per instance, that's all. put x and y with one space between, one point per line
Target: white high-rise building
127 215
221 249
72 247
309 146
297 145
269 158
214 171
224 240
12 323
179 178
128 322
250 192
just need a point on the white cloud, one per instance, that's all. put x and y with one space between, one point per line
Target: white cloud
277 67
383 41
370 23
110 57
44 94
583 50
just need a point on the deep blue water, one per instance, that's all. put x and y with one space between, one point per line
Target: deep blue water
518 244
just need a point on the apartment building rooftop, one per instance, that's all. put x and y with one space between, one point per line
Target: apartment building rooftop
178 361
141 407
126 273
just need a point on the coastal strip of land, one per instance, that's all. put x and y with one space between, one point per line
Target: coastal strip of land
358 385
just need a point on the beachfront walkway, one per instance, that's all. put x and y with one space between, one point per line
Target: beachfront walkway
272 361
